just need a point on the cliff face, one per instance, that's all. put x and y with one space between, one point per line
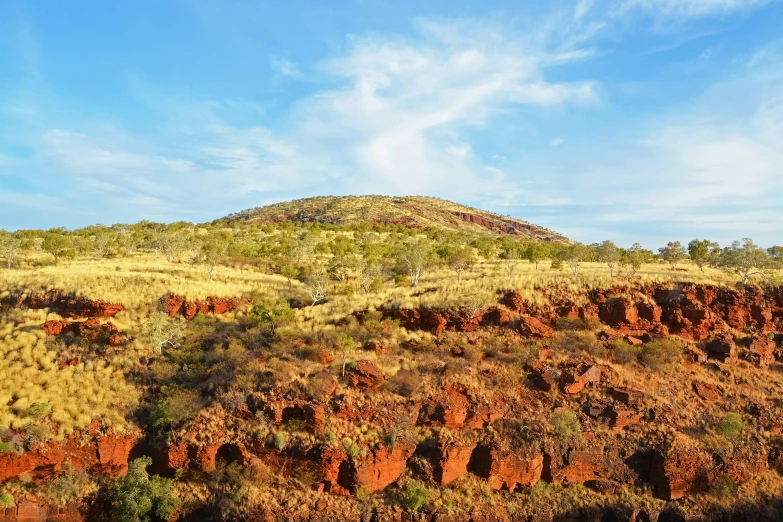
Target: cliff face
496 433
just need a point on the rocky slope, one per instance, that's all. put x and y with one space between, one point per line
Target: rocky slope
409 211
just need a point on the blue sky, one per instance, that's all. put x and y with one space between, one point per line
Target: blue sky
648 120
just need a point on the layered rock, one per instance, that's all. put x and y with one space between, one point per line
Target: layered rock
177 305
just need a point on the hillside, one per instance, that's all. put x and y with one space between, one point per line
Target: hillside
411 211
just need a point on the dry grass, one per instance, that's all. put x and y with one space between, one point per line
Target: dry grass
29 373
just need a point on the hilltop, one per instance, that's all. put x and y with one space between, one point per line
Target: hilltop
410 211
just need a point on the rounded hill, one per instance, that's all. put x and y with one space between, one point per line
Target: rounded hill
410 211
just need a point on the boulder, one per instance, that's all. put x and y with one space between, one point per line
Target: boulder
365 376
532 327
706 391
573 379
723 348
505 469
677 472
449 461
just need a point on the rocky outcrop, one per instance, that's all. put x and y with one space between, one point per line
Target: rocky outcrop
506 469
67 305
365 376
177 305
575 376
723 348
677 472
382 466
450 460
92 329
532 327
98 451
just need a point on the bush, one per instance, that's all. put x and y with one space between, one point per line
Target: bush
137 497
404 383
281 439
177 406
7 447
566 428
624 352
376 285
657 354
272 314
71 486
577 323
352 450
38 410
724 487
402 280
730 425
414 496
6 500
576 341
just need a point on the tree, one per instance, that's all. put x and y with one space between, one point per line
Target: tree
317 285
212 252
574 255
608 253
414 258
672 253
9 249
345 344
744 258
340 267
172 245
55 244
137 497
511 254
289 271
536 252
161 330
460 259
635 257
272 314
102 243
369 273
703 252
775 254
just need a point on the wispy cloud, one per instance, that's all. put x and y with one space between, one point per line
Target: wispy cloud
285 67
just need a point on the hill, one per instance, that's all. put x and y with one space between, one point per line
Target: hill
410 211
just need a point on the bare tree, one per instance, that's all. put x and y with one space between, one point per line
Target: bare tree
317 286
368 273
460 259
161 330
9 249
414 258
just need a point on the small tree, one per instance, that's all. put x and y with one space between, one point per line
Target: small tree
461 259
369 275
289 271
9 249
345 345
414 258
744 259
212 252
55 244
137 497
775 254
608 253
574 255
703 252
317 285
536 252
673 253
340 266
161 330
635 257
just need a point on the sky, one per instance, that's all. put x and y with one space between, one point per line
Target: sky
629 120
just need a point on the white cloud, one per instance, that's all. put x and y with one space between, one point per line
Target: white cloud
556 142
285 67
685 9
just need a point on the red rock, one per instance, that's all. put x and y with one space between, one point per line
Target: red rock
507 470
708 392
621 417
649 312
762 351
383 466
618 311
580 466
377 347
543 377
573 379
173 305
634 341
449 461
532 327
677 472
364 375
723 348
189 311
56 327
325 383
627 396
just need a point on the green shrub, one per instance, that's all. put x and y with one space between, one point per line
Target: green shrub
296 425
71 486
137 497
281 439
724 487
175 407
376 285
658 354
352 450
624 352
577 323
566 428
402 280
573 341
414 496
730 425
7 447
6 500
38 410
272 314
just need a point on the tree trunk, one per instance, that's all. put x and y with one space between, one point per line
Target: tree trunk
210 272
459 276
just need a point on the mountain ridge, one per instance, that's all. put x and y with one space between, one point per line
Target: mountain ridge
410 211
